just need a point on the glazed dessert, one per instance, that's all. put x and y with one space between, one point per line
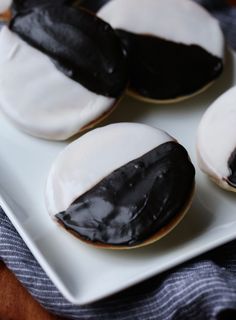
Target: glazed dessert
175 47
62 71
121 186
216 141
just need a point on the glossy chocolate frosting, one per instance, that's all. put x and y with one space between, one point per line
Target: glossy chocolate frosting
232 165
81 45
135 201
162 69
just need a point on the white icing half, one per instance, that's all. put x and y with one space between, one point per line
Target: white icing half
217 136
89 159
4 5
180 21
40 99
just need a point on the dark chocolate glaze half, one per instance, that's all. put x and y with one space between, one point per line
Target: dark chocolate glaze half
81 45
232 165
161 69
135 201
93 5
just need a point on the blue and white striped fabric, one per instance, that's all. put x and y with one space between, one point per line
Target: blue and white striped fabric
204 288
200 289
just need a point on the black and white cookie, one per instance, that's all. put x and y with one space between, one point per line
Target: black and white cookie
62 70
175 47
121 186
216 141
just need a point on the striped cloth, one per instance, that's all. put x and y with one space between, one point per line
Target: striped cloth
204 288
201 289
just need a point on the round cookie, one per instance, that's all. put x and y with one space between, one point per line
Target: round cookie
62 70
175 48
216 141
121 186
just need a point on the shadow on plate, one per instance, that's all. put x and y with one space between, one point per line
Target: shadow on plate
7 202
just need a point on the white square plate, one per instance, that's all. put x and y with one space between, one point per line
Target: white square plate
82 273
